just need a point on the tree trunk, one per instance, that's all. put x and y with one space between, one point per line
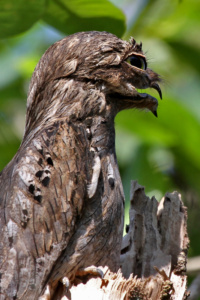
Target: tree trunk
154 254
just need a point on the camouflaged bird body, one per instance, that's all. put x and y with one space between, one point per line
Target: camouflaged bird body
61 197
61 216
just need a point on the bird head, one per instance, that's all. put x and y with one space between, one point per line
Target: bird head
98 63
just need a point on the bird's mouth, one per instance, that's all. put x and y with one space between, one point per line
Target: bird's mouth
145 100
156 86
139 99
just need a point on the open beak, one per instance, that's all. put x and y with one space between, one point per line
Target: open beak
155 86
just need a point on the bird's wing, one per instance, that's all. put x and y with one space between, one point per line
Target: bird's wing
42 192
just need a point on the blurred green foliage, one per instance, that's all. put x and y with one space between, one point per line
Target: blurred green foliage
163 154
65 15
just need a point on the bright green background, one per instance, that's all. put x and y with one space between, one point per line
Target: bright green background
163 154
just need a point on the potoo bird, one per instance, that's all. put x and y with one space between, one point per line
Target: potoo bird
61 196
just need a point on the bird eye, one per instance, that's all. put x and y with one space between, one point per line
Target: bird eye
138 62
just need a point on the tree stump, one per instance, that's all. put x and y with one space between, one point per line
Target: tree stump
153 254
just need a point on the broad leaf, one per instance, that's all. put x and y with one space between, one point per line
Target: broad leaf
18 16
83 15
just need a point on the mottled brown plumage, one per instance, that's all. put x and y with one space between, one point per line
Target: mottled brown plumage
61 196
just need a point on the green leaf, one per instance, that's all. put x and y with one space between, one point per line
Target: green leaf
175 127
187 53
18 16
144 125
83 15
9 142
185 127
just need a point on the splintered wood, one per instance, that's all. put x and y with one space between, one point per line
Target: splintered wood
154 254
